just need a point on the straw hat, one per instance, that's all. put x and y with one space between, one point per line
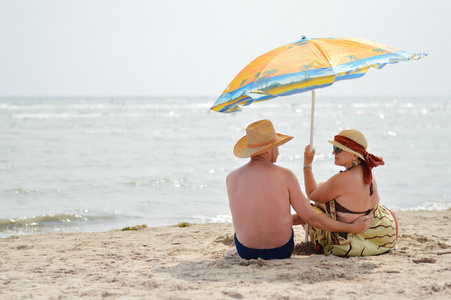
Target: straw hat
260 137
354 135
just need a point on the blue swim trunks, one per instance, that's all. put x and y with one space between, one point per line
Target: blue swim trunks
284 251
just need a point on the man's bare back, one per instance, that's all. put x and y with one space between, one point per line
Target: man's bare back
260 204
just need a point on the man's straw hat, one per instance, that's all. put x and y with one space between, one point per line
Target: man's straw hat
260 137
354 135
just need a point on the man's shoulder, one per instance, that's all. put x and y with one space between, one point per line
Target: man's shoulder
237 171
283 170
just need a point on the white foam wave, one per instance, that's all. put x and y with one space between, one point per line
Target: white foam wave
213 219
158 105
439 205
105 132
55 116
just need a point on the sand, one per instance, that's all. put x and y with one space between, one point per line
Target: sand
200 262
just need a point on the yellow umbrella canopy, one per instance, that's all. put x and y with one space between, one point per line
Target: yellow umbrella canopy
306 65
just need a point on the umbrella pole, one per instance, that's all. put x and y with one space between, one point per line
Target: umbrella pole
312 122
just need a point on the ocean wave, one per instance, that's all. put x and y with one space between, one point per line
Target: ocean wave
64 222
156 105
212 219
170 113
41 221
55 116
439 205
105 131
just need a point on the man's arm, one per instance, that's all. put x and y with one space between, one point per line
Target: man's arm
324 222
305 211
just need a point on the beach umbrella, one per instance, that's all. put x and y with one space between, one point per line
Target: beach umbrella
306 65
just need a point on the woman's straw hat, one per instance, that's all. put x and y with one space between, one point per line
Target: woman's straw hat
354 135
260 137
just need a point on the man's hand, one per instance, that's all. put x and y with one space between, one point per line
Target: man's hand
362 224
297 220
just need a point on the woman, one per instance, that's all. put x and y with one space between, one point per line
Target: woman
348 195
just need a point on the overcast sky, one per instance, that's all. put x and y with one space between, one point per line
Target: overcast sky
195 48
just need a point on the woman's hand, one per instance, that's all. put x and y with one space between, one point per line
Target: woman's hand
308 156
362 224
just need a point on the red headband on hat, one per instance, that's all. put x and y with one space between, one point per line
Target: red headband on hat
371 161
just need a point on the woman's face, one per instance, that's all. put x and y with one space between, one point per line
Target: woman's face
342 158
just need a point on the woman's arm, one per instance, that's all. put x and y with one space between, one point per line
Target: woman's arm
309 179
328 190
320 193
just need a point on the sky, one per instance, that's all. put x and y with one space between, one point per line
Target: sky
190 48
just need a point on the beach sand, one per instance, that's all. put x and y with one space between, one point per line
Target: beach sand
200 262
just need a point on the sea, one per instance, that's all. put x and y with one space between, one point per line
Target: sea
97 164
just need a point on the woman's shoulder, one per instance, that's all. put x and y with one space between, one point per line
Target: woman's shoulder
343 179
340 176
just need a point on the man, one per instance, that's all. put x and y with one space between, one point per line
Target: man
260 194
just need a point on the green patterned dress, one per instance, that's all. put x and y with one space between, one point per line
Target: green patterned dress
381 237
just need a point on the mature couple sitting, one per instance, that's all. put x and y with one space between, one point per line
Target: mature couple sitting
347 218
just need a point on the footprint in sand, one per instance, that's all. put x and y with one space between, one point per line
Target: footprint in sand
226 240
425 261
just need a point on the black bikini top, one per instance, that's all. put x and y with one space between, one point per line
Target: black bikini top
340 208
